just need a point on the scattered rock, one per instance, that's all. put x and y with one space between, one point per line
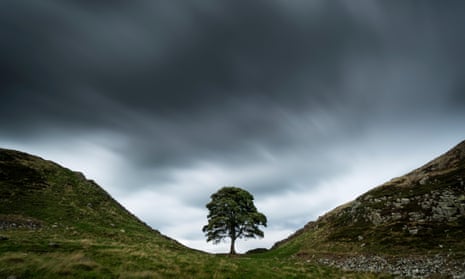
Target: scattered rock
12 222
375 218
396 216
438 266
404 201
423 180
397 205
415 216
53 245
413 231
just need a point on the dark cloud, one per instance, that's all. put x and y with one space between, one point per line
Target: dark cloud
136 55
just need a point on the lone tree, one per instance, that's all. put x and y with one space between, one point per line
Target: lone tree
234 215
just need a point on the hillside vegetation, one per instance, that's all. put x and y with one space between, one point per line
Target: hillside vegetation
54 223
411 225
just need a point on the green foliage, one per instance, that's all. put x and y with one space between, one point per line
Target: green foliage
233 214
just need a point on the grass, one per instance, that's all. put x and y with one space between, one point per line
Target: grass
29 254
57 224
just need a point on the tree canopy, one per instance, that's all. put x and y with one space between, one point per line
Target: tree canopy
232 214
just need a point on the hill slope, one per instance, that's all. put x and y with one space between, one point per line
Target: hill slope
54 223
38 194
418 218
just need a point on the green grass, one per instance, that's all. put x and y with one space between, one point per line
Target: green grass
29 254
57 224
60 225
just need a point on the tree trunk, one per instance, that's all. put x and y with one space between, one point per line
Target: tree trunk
232 251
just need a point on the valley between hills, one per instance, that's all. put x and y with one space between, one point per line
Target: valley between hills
55 223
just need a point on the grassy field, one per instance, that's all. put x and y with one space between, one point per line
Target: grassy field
45 254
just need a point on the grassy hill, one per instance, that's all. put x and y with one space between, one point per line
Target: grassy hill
41 195
412 225
54 223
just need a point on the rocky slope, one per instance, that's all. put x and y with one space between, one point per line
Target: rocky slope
417 219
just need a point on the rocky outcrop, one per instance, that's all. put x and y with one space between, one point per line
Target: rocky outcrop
410 226
435 206
433 194
437 266
425 206
11 222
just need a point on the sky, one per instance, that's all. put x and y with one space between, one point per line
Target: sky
305 104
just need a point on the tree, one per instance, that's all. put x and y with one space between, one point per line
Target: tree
234 215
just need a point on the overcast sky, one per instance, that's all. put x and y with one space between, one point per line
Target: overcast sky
305 104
